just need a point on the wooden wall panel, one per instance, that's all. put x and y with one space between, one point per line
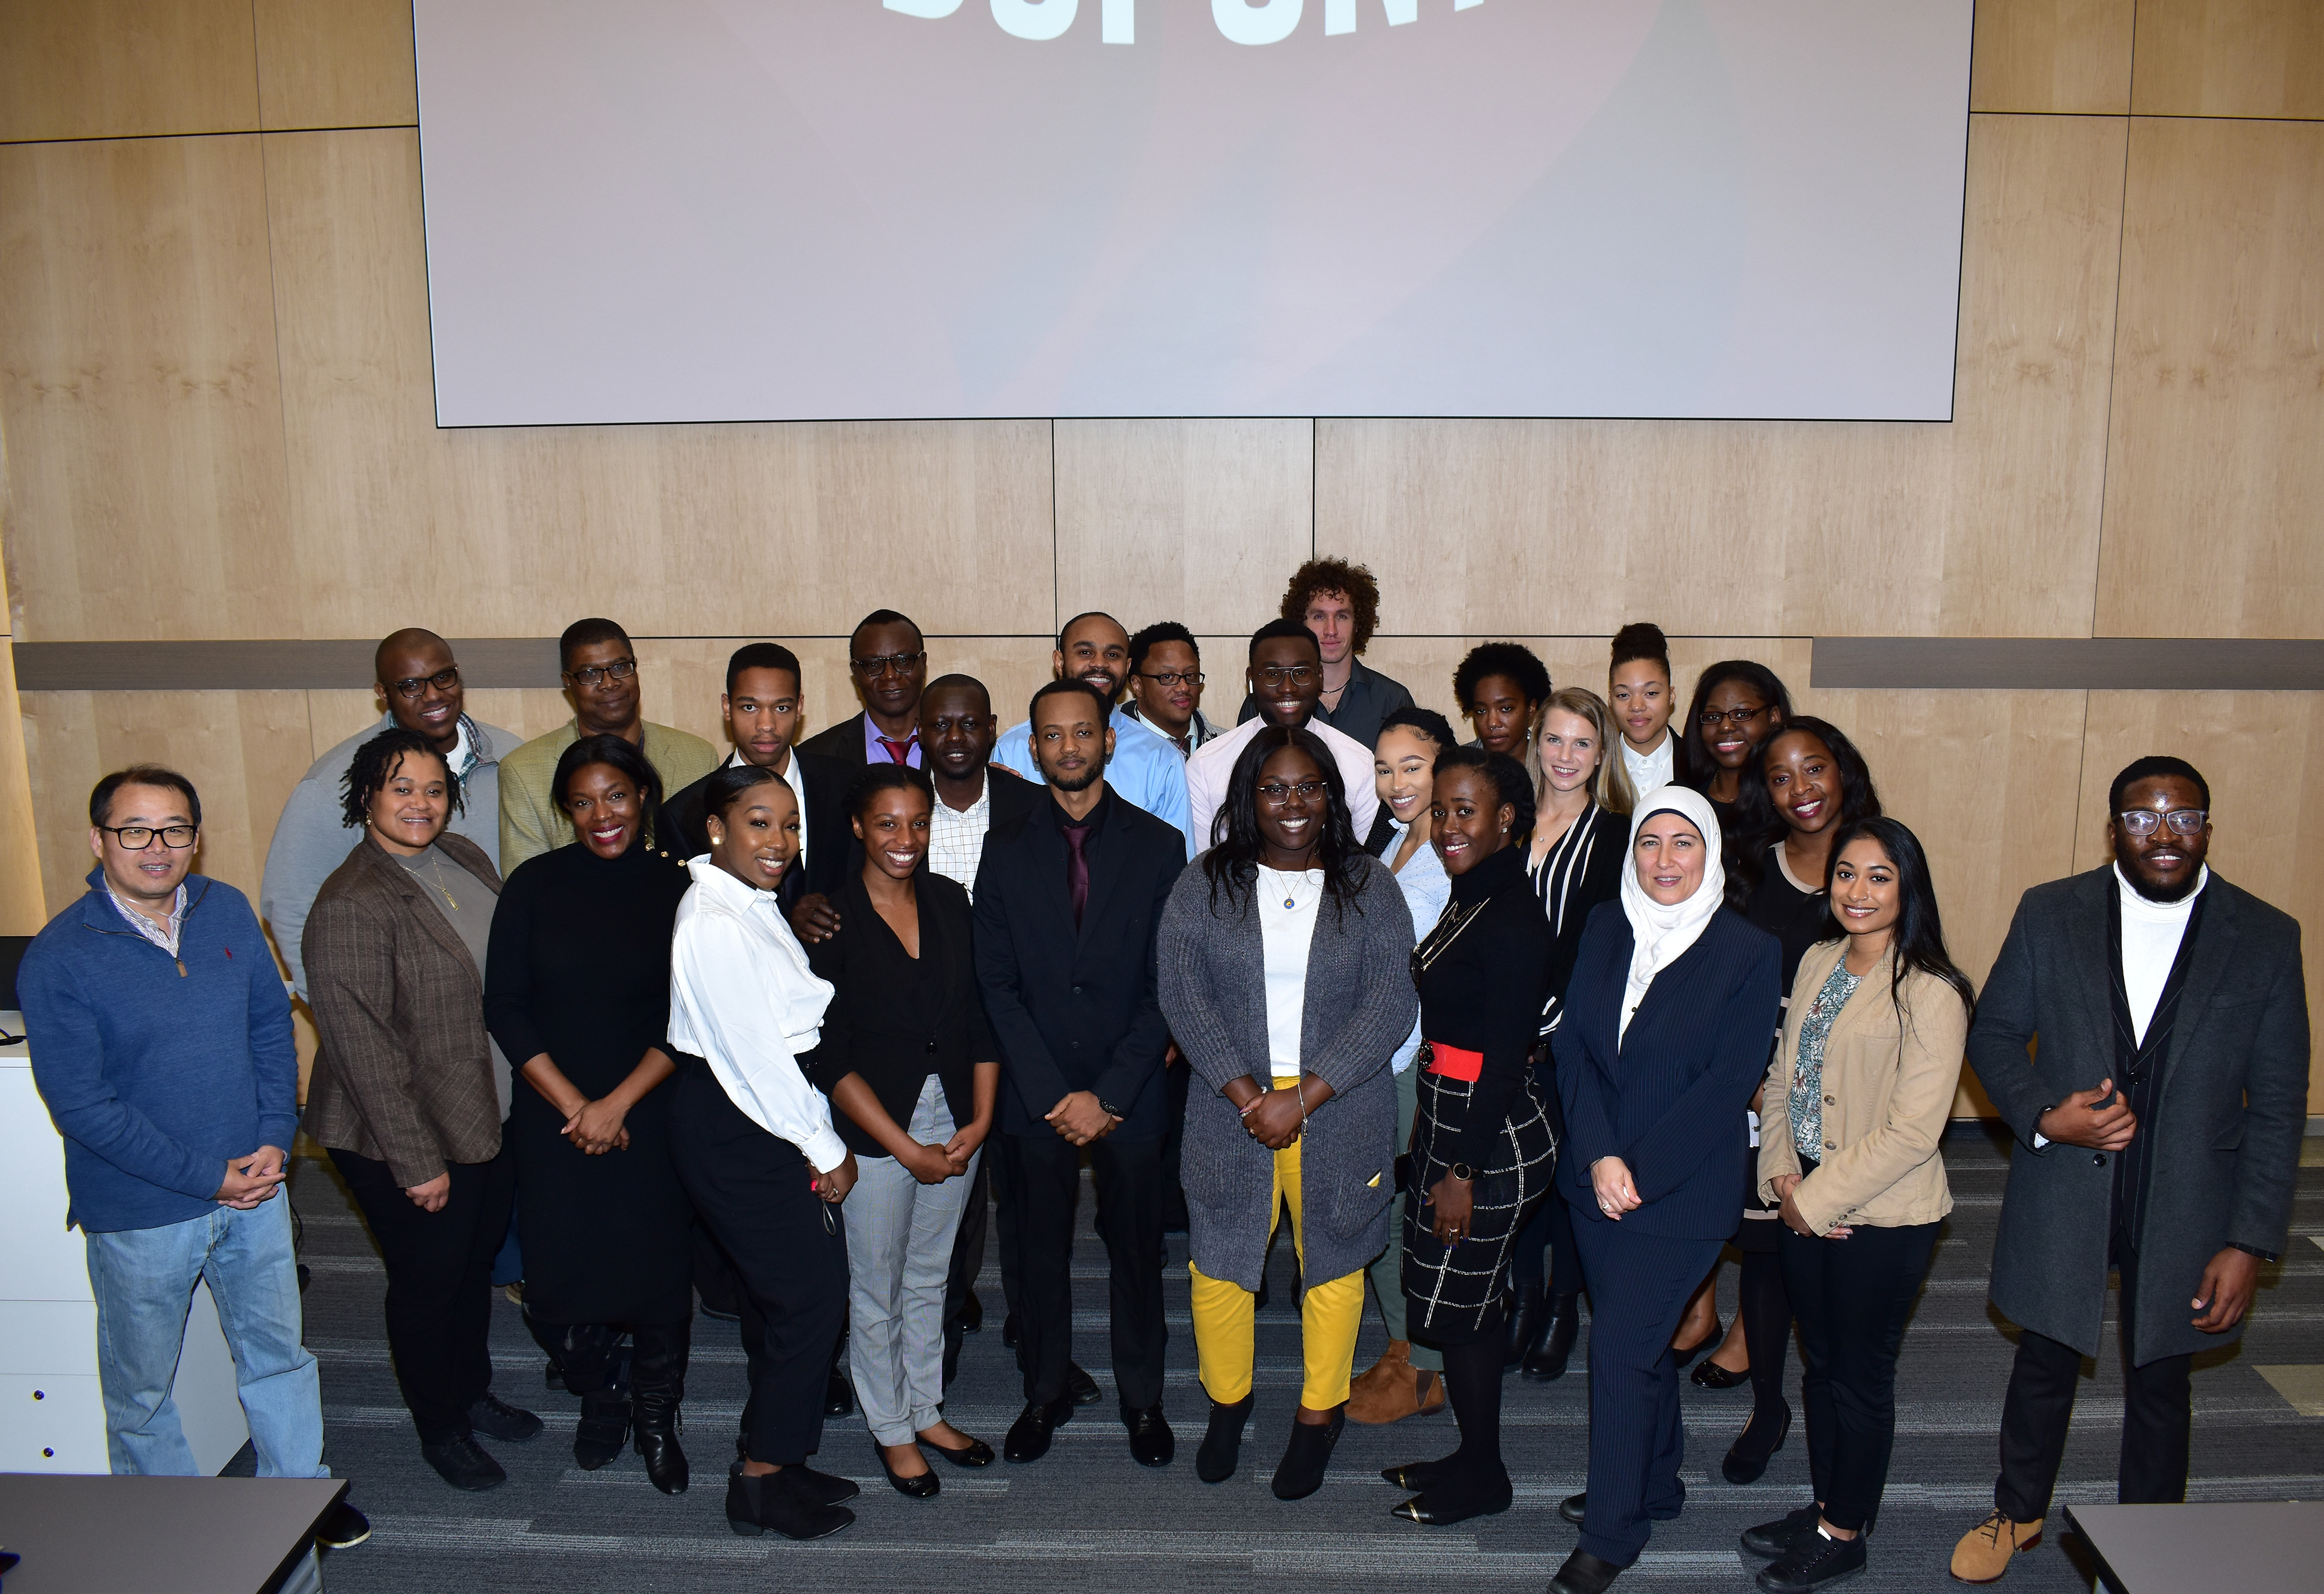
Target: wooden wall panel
1983 527
2263 753
1200 521
2058 56
335 63
675 529
2217 460
123 68
23 907
138 391
2229 57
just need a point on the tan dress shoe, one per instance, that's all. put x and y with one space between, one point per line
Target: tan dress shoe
1983 1555
1393 1389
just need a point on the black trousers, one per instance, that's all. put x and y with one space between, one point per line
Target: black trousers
1042 1185
440 1281
2157 1417
1851 1298
1551 1226
789 1250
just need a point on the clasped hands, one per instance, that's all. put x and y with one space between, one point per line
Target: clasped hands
1080 1119
933 1165
1276 1118
251 1181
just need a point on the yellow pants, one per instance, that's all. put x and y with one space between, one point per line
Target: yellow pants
1329 1318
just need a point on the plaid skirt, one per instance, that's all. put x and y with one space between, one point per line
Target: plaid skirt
1453 1293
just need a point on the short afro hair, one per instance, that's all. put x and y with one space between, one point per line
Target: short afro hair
2154 766
589 633
763 655
1155 635
1287 631
1319 576
1488 658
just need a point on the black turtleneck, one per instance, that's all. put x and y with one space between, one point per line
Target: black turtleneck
1484 993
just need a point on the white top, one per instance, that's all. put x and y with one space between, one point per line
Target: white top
1427 889
743 998
1649 770
1286 925
1214 763
2151 934
956 838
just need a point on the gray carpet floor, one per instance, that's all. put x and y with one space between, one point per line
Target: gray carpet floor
1088 1517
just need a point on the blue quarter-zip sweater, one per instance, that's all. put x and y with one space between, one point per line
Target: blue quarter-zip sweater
155 1077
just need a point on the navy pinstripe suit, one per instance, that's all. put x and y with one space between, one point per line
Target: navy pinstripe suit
1666 1098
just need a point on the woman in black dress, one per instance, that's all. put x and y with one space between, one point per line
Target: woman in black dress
577 988
1482 1153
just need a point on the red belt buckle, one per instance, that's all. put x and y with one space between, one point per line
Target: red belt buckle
1452 1063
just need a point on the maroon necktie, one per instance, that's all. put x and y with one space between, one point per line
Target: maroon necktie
1077 869
900 752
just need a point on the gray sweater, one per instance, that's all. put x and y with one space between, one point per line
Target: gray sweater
1360 1006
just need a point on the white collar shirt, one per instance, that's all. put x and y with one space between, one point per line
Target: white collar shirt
1212 764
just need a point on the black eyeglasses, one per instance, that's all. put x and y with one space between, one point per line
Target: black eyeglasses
1711 719
2145 822
1277 674
138 838
444 680
886 664
1277 793
1174 678
598 674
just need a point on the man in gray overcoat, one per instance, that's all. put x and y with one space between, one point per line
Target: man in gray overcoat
2158 1115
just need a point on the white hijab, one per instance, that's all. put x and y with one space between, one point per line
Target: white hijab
1659 933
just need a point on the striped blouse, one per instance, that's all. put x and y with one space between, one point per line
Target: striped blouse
1582 870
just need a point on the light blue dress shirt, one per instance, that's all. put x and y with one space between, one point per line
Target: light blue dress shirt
1145 767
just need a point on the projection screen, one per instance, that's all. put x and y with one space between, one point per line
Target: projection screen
770 209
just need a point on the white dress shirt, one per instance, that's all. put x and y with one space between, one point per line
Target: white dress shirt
1427 889
1208 771
743 998
956 837
1649 770
1286 927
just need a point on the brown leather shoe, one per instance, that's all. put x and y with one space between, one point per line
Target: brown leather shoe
1393 1389
1983 1555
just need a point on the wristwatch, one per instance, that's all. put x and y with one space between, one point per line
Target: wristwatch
1112 1111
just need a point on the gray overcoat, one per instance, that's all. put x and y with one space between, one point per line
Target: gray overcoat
2226 1137
1358 1009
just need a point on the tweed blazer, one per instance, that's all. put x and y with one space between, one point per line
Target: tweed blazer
404 1074
2225 1146
1360 1007
1887 1090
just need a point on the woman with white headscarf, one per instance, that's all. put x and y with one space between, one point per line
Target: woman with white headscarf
1664 1040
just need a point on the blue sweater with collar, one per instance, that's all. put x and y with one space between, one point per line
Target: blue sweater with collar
155 1077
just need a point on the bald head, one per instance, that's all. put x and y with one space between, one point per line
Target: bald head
419 685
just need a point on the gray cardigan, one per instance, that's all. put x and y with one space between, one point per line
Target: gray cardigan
2225 1136
1360 1006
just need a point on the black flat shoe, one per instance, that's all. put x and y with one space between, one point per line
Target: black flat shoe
463 1463
1080 1387
1451 1501
975 1453
1814 1560
343 1527
495 1419
1151 1442
922 1487
1300 1473
1574 1508
1545 1362
1749 1456
1524 1311
971 1313
603 1431
826 1488
786 1501
1221 1447
1416 1475
1769 1540
1684 1354
1710 1375
1028 1435
1584 1573
838 1396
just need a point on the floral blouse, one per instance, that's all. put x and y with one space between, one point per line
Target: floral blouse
1807 1068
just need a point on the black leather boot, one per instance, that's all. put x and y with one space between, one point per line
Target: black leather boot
603 1429
1523 1312
1221 1447
655 1420
1545 1360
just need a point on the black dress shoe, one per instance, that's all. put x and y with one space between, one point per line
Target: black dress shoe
1151 1442
463 1463
786 1501
343 1527
1009 1332
1769 1540
1300 1473
971 1313
1747 1457
603 1431
1456 1499
838 1396
654 1424
1221 1447
495 1419
922 1487
1684 1354
825 1489
1574 1508
1418 1476
1814 1559
1080 1387
1545 1361
1710 1375
975 1453
1584 1573
1028 1435
1523 1312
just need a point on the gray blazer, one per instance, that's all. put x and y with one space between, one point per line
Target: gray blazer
2226 1135
1360 1006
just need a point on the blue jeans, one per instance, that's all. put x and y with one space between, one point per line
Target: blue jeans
143 1281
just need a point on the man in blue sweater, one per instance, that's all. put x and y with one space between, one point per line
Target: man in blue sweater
160 1042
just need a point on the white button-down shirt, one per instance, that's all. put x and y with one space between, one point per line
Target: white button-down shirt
956 837
743 998
1207 773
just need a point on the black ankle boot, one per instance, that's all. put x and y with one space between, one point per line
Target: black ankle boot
785 1501
604 1428
656 1422
1221 1446
1545 1360
1523 1312
1300 1473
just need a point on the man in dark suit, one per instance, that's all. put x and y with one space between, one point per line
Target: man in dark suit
1068 902
2159 1119
888 661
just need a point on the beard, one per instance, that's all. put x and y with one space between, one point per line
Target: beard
1090 775
2153 891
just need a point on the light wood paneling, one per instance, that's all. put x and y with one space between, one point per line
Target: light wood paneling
2069 56
2263 753
2217 461
22 905
2229 57
675 529
1985 527
335 63
1136 497
138 391
115 69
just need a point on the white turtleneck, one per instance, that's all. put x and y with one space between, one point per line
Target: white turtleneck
2151 934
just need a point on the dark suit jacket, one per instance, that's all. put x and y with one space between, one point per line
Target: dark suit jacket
2226 1134
821 787
1076 1011
1668 1097
843 744
895 1021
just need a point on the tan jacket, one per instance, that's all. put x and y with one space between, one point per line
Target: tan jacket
404 1074
531 823
1887 1092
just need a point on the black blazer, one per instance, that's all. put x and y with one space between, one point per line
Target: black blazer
1666 1098
1076 1011
842 743
821 787
895 1021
